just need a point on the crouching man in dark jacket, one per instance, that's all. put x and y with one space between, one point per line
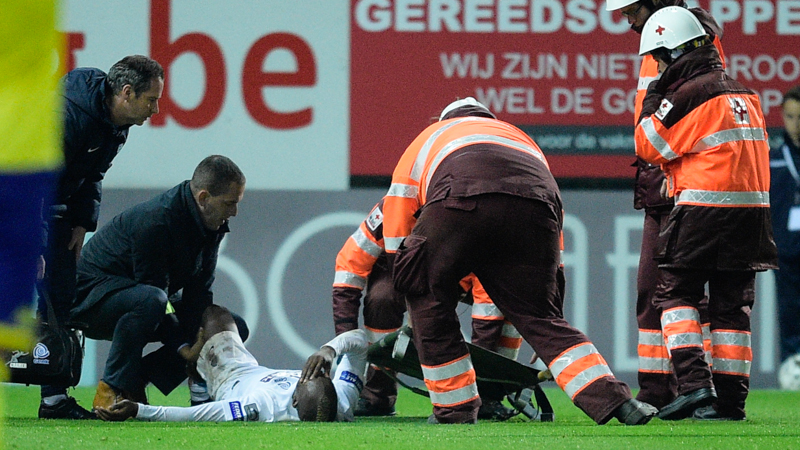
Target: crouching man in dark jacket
146 276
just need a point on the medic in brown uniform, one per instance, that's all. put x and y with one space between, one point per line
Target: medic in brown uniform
707 132
473 194
362 264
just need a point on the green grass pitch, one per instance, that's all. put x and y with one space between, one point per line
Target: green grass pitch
773 423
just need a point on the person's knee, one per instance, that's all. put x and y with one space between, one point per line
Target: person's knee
152 302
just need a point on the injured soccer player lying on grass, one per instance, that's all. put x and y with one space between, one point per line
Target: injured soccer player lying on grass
243 390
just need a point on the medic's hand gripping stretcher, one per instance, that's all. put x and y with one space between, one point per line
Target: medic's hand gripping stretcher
396 353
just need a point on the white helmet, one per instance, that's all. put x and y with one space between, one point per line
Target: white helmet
613 5
669 28
469 101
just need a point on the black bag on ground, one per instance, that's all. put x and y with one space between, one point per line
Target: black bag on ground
56 358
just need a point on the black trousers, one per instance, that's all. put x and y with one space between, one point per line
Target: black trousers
132 318
58 282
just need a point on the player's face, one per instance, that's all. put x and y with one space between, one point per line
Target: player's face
791 120
143 105
215 210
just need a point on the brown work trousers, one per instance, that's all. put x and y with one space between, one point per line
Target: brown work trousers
731 295
512 244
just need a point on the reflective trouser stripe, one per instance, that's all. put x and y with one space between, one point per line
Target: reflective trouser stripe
653 353
350 279
681 328
486 311
374 335
510 341
732 352
452 383
578 367
706 327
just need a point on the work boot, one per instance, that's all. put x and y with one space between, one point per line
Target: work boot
495 410
709 413
366 409
635 412
683 406
65 409
105 396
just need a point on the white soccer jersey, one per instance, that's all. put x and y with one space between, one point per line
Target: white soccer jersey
245 391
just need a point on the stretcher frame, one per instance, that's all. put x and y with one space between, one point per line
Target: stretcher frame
396 353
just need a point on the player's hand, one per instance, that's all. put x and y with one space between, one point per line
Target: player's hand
318 364
118 412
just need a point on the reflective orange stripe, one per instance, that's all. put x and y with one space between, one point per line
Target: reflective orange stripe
681 327
451 383
578 367
374 334
653 353
509 342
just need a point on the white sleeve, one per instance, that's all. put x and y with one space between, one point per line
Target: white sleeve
220 411
351 370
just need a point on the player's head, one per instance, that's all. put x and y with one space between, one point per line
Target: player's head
672 32
637 12
216 319
218 186
316 400
466 107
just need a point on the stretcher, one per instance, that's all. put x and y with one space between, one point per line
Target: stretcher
395 353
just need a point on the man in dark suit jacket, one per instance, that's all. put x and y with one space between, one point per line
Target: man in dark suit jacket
146 276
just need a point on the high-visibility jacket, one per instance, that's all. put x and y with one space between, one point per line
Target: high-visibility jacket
649 178
709 136
356 261
707 132
412 177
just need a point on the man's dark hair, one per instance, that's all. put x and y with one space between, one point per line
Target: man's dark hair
316 400
791 94
137 70
215 174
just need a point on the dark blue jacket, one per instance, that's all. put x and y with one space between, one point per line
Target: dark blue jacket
161 242
782 191
91 142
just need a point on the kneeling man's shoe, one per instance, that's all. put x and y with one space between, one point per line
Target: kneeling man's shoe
709 413
635 412
65 409
683 406
106 396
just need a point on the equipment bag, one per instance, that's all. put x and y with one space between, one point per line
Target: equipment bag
56 358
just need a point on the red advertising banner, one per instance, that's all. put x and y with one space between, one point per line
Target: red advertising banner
564 71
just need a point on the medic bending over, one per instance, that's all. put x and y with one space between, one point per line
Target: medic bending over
243 390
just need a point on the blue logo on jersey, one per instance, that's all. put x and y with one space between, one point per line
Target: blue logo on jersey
352 378
236 411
